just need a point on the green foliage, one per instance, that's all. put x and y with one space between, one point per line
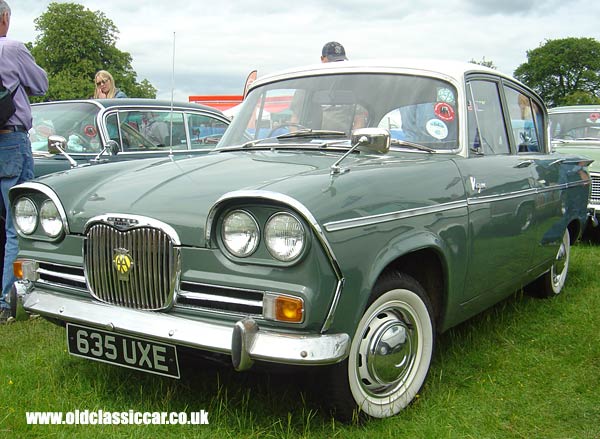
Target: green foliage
485 63
581 98
73 44
564 71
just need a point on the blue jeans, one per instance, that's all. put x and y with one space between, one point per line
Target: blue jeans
16 166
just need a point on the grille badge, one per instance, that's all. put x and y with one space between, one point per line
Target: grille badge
122 223
123 263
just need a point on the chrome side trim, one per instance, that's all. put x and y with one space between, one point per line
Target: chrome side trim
501 197
50 194
307 216
335 226
267 345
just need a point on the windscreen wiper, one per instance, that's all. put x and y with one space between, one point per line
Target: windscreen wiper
304 133
411 145
310 133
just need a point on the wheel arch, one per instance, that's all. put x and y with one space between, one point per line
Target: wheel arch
423 257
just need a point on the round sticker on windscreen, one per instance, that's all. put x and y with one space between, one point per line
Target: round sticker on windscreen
436 128
594 118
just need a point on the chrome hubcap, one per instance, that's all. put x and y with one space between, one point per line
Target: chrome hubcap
560 263
387 352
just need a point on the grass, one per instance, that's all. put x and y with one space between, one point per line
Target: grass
526 368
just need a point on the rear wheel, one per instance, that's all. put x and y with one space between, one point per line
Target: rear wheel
390 354
552 282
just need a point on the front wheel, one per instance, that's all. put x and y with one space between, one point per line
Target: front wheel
390 354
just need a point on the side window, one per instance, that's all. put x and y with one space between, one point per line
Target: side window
525 119
540 126
112 126
486 128
204 131
150 130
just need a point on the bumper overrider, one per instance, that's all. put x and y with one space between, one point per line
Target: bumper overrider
244 340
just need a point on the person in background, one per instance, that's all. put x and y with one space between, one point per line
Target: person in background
21 74
105 86
332 52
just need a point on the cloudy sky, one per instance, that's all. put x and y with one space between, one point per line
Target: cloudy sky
216 44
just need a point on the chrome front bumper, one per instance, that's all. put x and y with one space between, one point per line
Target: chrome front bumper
244 340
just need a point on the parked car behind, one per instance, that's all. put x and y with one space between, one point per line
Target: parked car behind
350 213
138 128
576 130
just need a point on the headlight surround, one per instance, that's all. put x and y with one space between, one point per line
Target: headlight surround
50 219
285 237
26 215
240 233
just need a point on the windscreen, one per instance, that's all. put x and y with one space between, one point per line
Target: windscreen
415 108
75 121
575 125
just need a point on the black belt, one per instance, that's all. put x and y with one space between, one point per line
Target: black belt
13 129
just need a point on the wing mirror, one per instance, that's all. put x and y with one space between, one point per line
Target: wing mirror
112 147
58 145
372 140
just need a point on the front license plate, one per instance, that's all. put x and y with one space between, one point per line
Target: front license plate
122 350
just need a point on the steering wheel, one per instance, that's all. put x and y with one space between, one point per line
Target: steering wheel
283 125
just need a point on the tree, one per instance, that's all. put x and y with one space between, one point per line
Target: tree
484 62
73 44
564 71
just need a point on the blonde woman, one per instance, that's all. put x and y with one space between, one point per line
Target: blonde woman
105 86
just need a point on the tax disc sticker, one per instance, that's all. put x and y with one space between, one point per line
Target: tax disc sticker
444 111
436 128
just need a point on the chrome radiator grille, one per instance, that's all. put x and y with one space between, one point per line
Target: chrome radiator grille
137 268
595 193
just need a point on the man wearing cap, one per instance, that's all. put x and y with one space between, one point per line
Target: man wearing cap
21 75
333 51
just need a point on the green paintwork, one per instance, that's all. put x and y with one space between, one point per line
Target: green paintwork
406 209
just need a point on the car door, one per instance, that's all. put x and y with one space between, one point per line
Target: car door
553 174
501 197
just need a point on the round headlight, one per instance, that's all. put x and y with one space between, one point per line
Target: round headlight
50 219
284 237
240 233
25 216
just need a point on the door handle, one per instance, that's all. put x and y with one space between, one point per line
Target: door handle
523 164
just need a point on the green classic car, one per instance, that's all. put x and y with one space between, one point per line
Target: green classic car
107 130
576 130
351 211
